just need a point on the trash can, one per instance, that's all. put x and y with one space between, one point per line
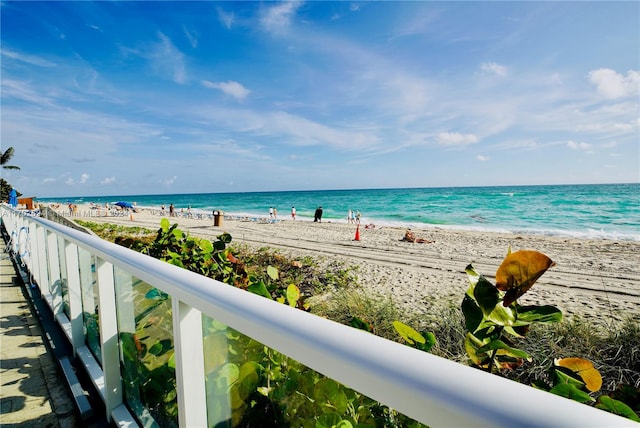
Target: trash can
218 216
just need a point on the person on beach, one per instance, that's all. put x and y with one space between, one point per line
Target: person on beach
293 213
317 217
275 213
172 211
358 216
270 212
349 215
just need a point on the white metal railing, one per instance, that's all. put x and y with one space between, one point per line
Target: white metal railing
425 387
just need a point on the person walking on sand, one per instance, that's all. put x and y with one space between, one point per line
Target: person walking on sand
270 212
275 213
293 213
172 211
349 214
358 215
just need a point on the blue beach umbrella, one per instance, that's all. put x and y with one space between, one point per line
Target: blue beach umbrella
13 198
123 204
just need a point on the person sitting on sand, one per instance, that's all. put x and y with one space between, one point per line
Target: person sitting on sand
409 236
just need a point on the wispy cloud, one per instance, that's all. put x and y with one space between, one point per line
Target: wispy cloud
28 59
494 68
235 89
578 146
455 139
226 18
277 19
167 60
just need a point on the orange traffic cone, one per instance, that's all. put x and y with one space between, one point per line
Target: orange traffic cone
357 238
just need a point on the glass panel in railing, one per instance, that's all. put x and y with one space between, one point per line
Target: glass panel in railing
88 285
64 287
147 354
249 384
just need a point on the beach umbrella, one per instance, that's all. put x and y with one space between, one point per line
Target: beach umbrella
13 198
123 204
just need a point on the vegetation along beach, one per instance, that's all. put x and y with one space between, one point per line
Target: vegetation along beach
591 232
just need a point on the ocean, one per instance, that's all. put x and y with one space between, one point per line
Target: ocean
599 211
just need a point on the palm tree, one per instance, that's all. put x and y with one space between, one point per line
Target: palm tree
6 157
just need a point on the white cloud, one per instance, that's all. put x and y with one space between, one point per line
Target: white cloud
482 158
48 180
169 181
225 18
455 139
578 146
167 60
29 59
276 19
84 177
69 181
232 88
108 180
612 85
492 67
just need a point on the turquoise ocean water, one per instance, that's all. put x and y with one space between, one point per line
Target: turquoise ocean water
603 211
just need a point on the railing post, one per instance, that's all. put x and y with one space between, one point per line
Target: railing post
54 290
74 290
112 392
41 254
189 357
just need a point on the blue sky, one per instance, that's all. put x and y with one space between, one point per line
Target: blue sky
113 98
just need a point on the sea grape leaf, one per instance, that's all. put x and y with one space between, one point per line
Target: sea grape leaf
583 368
471 345
410 335
541 314
206 246
472 313
519 271
330 396
616 407
570 391
486 295
508 350
473 277
260 289
293 295
164 225
272 272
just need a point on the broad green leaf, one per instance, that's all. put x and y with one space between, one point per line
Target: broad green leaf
542 314
293 295
328 420
164 225
499 344
471 345
272 272
410 335
486 295
583 368
519 271
178 233
330 395
430 340
206 246
563 375
616 407
472 313
570 391
473 277
504 316
260 289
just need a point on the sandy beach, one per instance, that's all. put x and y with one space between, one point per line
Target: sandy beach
594 279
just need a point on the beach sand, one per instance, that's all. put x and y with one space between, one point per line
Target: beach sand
597 280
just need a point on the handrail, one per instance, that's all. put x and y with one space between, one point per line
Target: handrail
427 388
